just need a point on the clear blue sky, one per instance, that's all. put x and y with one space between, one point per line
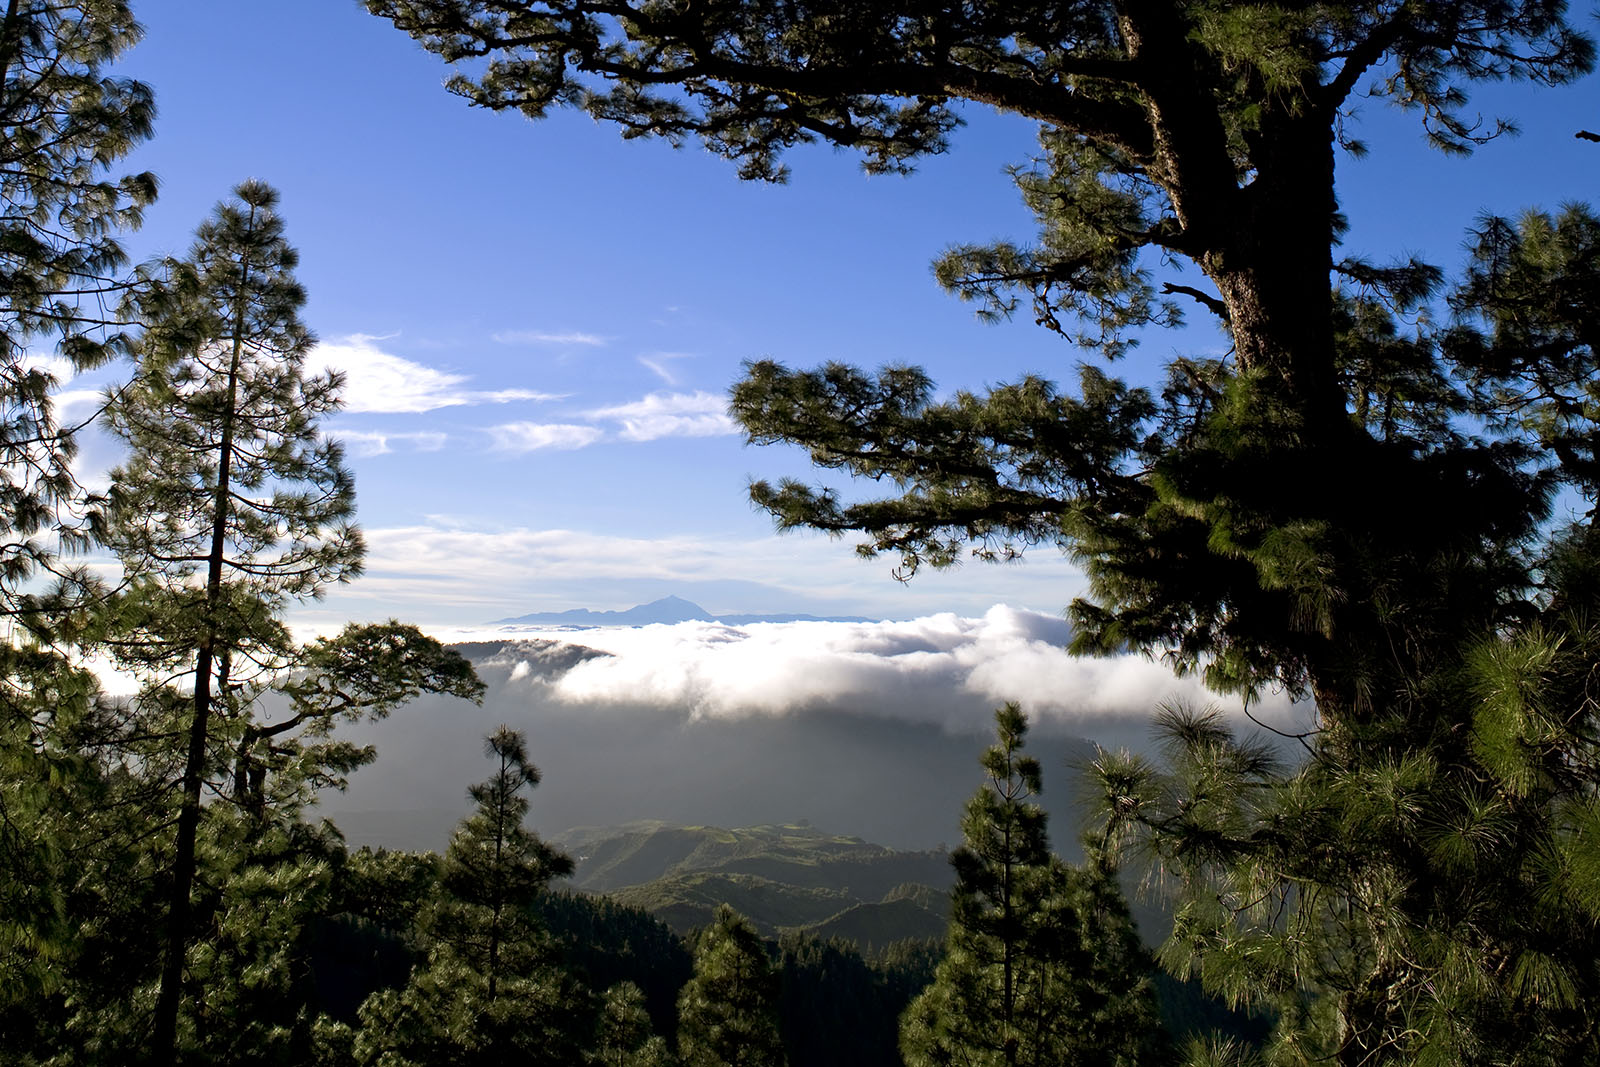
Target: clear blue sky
541 321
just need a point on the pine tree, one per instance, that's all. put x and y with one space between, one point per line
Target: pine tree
728 1011
51 806
625 1038
489 992
1042 964
66 123
1234 519
495 869
1415 892
231 505
1395 903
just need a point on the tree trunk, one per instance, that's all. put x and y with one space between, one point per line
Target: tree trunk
1272 265
165 1033
165 1030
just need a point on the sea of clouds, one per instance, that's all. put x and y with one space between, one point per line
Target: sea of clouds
943 669
870 728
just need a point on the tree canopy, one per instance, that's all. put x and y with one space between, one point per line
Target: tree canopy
1235 517
728 1010
66 123
1042 964
1380 495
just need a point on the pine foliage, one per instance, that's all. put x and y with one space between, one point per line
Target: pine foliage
727 1013
67 122
489 991
1042 964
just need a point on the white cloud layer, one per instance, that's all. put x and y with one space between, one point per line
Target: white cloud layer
697 414
76 406
944 669
520 437
380 382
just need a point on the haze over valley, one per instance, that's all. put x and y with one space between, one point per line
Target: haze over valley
864 728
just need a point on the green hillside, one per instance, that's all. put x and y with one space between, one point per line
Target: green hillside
874 926
796 854
688 901
783 878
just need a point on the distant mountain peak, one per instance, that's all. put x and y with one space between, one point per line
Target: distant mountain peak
667 610
675 603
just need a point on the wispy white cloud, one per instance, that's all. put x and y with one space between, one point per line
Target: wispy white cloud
542 337
660 364
518 437
59 368
697 414
381 382
381 442
72 406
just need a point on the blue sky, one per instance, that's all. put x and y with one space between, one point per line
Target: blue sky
541 321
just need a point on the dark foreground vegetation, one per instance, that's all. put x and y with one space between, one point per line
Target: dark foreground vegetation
1381 496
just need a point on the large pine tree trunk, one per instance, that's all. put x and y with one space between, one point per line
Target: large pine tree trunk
1264 237
1272 263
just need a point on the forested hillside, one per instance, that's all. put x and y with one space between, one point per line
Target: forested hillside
780 878
1378 494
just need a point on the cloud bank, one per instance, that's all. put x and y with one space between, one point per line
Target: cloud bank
944 670
871 729
461 572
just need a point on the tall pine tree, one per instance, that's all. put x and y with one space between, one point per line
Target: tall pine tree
728 1011
489 992
66 124
1042 964
231 505
494 870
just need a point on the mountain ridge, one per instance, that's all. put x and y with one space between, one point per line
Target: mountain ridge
667 610
779 876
